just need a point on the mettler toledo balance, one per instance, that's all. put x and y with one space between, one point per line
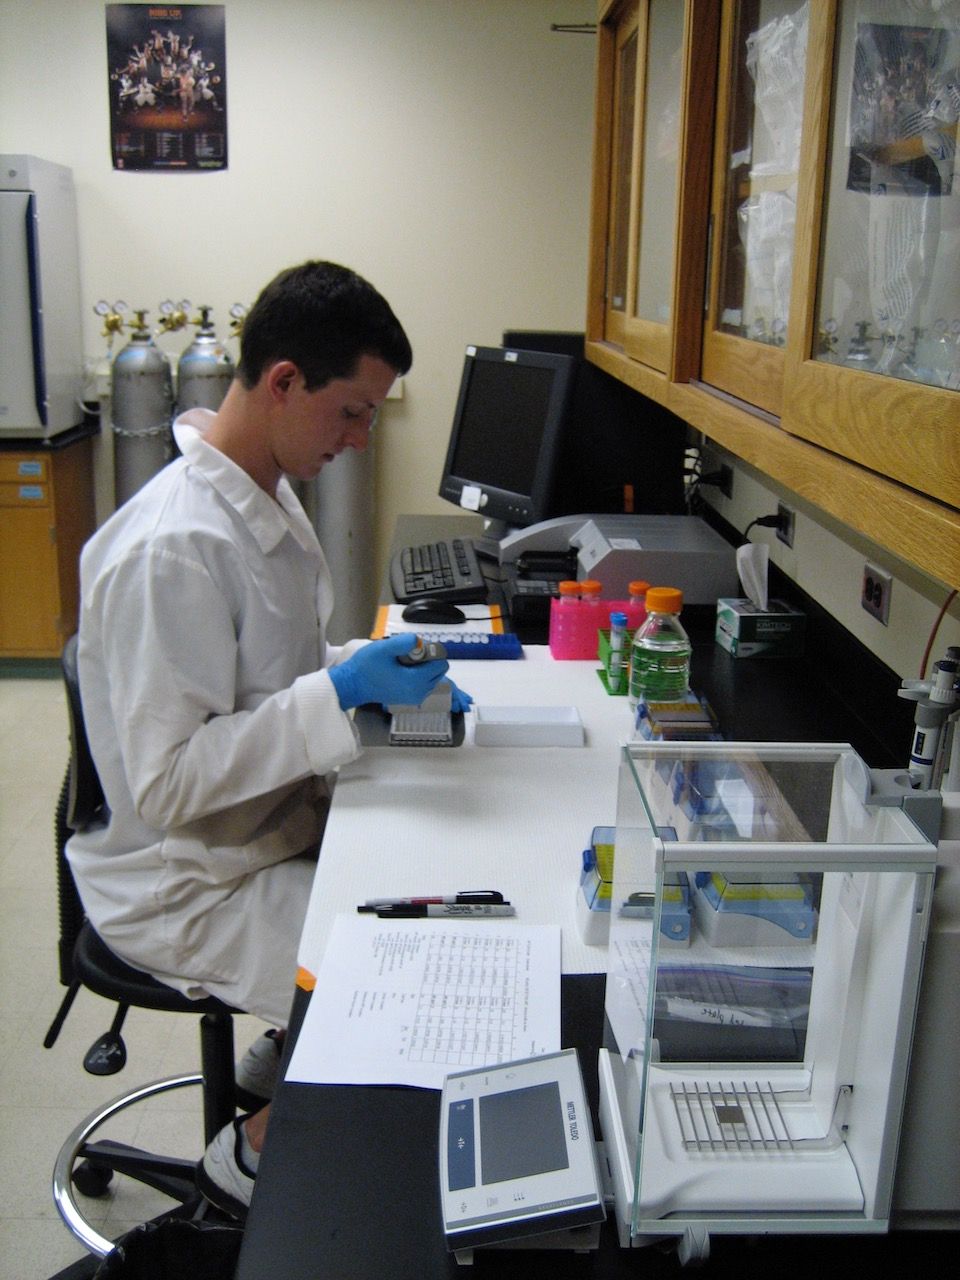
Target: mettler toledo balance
753 1081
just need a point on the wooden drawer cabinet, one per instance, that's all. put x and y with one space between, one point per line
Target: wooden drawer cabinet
46 515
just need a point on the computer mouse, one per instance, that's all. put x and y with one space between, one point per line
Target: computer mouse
433 611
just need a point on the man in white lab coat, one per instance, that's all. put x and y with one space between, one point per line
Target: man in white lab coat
216 710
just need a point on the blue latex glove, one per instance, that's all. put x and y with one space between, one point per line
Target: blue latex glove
373 674
459 700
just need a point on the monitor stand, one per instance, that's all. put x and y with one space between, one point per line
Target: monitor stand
487 544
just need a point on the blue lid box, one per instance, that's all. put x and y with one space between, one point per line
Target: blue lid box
595 890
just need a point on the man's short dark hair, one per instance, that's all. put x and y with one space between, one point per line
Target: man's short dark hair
323 317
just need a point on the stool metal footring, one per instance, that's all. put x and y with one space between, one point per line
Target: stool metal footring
63 1193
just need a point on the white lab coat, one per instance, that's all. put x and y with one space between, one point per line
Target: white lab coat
213 726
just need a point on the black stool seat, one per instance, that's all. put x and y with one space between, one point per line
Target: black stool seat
104 973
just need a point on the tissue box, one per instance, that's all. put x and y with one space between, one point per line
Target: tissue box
747 631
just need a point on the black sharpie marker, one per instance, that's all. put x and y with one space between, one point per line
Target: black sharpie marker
446 910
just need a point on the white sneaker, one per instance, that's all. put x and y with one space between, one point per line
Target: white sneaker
222 1177
259 1070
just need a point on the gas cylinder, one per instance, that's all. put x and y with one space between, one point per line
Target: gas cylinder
141 390
205 370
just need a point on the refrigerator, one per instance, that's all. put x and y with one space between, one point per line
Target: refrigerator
41 356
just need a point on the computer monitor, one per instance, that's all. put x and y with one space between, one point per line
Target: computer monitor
506 434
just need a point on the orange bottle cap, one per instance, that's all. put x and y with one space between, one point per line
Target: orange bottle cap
664 600
638 588
590 587
568 588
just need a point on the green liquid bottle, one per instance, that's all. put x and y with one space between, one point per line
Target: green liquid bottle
660 656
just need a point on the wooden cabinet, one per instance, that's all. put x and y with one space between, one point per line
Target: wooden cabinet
46 514
812 324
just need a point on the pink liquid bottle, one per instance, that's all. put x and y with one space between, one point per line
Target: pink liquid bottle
636 606
564 616
592 618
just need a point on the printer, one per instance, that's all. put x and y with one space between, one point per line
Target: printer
668 551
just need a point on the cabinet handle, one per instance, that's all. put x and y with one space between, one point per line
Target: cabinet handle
708 265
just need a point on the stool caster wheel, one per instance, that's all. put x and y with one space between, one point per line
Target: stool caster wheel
91 1179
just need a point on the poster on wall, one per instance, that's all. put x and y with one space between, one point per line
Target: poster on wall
168 86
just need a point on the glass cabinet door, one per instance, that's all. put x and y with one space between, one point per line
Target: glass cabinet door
889 288
657 170
621 205
879 371
756 164
661 56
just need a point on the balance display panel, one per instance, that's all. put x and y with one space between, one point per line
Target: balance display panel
517 1152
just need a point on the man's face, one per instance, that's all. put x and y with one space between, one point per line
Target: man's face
318 425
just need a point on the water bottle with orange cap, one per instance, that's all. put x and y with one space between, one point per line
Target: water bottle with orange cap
660 655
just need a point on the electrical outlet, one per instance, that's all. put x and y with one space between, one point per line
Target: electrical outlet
785 522
875 592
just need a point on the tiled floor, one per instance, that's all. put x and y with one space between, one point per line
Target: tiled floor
45 1093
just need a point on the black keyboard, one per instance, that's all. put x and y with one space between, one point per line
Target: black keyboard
445 570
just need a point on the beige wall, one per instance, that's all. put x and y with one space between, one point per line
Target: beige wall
827 561
440 147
